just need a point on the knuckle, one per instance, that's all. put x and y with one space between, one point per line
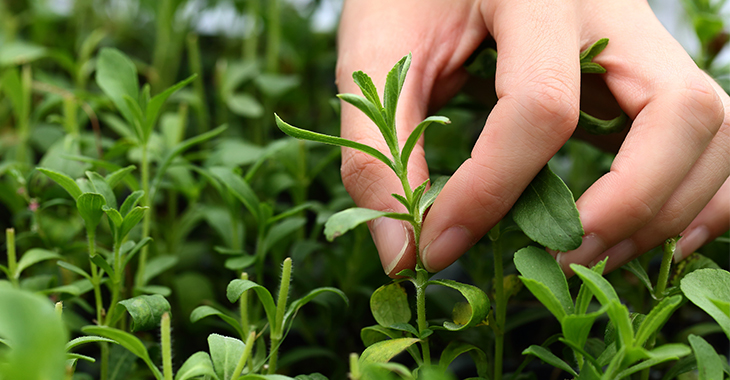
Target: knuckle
639 211
702 103
552 106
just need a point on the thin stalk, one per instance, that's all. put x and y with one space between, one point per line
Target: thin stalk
278 329
354 367
421 284
273 36
116 283
500 308
146 201
245 356
24 114
166 346
95 280
162 43
104 360
196 66
243 307
12 259
251 42
59 308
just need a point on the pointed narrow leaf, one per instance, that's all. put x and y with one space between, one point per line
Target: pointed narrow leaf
389 305
704 286
709 363
126 340
430 195
591 68
64 181
401 199
383 351
634 266
393 86
131 220
89 206
239 188
537 265
112 179
297 304
416 135
656 318
204 311
476 298
130 202
136 249
103 264
87 339
348 219
418 194
73 268
548 357
332 140
34 256
225 353
583 300
598 126
367 87
101 187
237 287
592 51
456 348
146 311
546 213
375 115
158 265
658 355
282 230
116 75
197 365
155 104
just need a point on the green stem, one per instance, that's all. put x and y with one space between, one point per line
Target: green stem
116 283
274 36
24 114
354 367
243 307
104 360
196 67
500 308
59 308
245 356
95 280
278 329
147 202
250 43
12 259
421 284
166 346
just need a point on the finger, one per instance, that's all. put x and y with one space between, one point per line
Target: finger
676 114
369 181
537 82
713 221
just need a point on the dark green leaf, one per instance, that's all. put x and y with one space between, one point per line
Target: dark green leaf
103 264
476 298
73 268
157 266
592 51
133 251
538 267
201 312
656 356
116 75
634 266
131 220
297 304
282 230
548 357
416 135
348 219
591 68
456 348
126 340
332 140
598 126
708 289
146 311
546 213
389 305
709 362
430 195
64 181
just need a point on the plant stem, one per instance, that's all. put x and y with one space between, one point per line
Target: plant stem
166 346
95 280
104 360
147 202
421 284
116 283
278 329
354 367
274 36
499 308
59 308
250 43
245 356
196 67
243 307
12 259
668 253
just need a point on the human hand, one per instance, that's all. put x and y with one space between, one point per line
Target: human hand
670 165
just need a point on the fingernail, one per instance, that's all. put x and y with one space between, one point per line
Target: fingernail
591 247
620 253
439 253
391 238
690 241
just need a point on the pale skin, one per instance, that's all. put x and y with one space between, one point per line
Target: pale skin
670 174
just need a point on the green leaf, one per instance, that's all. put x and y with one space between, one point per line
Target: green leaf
708 288
576 327
598 126
126 340
87 339
146 311
101 187
89 206
374 113
383 351
538 267
416 135
130 202
476 298
332 140
684 365
546 213
634 266
12 84
548 357
592 51
239 188
583 300
155 104
114 216
297 304
64 181
157 266
456 348
658 355
112 179
116 75
367 87
20 52
348 219
393 86
656 318
136 249
237 287
198 364
240 262
282 230
204 311
225 353
709 362
389 305
177 150
243 104
131 220
73 268
591 68
34 256
430 195
103 264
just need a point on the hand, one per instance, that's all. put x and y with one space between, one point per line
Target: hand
669 167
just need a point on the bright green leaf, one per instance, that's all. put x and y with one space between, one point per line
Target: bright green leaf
656 318
87 339
416 135
130 202
155 104
64 181
73 268
34 256
112 179
367 87
709 362
197 365
430 195
116 75
126 340
225 353
548 357
348 219
131 220
237 287
536 265
476 298
705 285
146 311
89 206
383 351
389 305
204 311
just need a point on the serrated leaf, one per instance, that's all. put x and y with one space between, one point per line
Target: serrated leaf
332 140
548 357
34 256
225 353
197 365
346 220
126 340
116 75
547 214
146 311
416 135
389 305
89 206
383 351
64 181
237 287
705 285
204 311
538 266
476 298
